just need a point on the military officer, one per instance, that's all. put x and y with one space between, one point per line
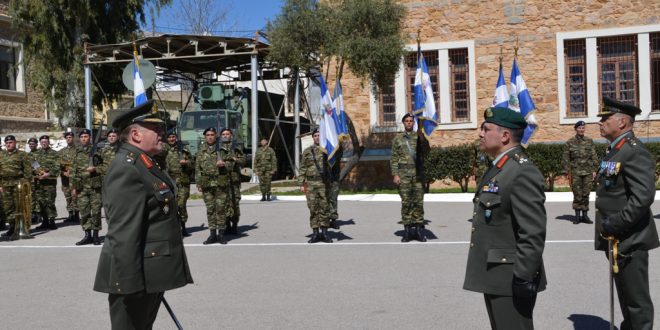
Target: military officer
15 168
313 179
580 162
33 143
508 226
180 166
143 254
232 159
47 170
67 156
407 165
109 151
214 192
87 187
625 193
265 166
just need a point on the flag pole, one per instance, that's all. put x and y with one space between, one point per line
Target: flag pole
515 49
501 55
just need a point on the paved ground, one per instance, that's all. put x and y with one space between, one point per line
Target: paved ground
269 278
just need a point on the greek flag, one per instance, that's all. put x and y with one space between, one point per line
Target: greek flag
327 125
520 100
501 99
140 95
338 114
424 102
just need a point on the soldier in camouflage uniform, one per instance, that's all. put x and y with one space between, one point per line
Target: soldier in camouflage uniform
408 150
580 162
313 179
87 183
48 169
232 158
265 166
180 166
67 155
15 168
214 192
333 189
108 152
481 161
33 143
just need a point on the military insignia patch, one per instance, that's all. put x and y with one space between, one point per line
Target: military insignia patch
489 113
491 187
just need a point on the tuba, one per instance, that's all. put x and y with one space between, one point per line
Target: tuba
23 211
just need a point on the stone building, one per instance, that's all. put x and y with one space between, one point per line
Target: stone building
569 53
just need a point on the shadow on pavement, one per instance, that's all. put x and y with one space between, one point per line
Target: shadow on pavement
427 233
566 217
589 322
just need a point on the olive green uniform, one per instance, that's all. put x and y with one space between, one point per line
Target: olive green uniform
580 162
314 174
408 165
88 189
214 187
48 161
508 238
625 193
32 157
181 175
15 168
265 164
234 159
67 157
107 155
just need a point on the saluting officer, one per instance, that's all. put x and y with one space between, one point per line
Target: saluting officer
265 166
505 260
214 192
580 162
48 169
15 168
313 179
143 254
625 193
180 166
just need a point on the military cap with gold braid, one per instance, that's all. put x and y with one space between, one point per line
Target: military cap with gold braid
505 117
143 113
611 106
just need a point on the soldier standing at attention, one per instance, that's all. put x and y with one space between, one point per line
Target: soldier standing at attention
232 158
143 254
180 166
67 156
207 177
48 169
333 188
15 168
580 162
408 151
265 166
87 187
625 193
33 143
109 151
313 179
505 260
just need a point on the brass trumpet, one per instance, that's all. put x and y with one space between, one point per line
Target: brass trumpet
23 220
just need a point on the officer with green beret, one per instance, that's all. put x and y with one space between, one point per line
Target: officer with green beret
143 254
625 193
47 167
580 162
505 260
15 169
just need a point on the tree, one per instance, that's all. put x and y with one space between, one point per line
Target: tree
205 16
53 33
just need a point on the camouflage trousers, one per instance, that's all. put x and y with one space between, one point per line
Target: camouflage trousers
45 200
264 183
9 204
182 195
35 205
233 202
317 202
71 201
333 194
412 200
89 205
581 187
215 199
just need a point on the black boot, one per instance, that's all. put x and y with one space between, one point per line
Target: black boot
268 197
87 239
35 218
406 234
315 236
9 232
324 235
334 224
234 225
213 238
184 231
51 224
577 218
585 217
44 224
76 218
95 237
221 236
71 217
263 197
419 234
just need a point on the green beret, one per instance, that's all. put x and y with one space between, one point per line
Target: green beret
611 106
505 117
143 113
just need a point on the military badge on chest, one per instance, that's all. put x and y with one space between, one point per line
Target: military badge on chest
491 187
163 194
608 172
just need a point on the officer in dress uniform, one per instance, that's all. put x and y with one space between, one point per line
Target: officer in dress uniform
625 193
508 226
143 254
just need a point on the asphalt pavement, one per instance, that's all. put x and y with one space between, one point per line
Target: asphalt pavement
268 277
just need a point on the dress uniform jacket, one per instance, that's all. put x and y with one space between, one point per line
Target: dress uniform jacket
508 227
143 249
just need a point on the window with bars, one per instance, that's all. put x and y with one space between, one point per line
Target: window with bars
460 92
655 71
431 58
575 54
7 68
617 65
387 102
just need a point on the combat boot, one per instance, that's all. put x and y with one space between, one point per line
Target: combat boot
268 197
577 218
51 224
76 217
221 236
87 239
419 233
263 198
213 238
232 225
184 231
406 234
35 218
333 224
71 217
95 237
585 217
44 224
315 236
9 232
324 235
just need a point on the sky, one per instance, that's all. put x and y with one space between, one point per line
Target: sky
245 17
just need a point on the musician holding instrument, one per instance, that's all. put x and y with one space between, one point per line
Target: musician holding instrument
625 193
15 169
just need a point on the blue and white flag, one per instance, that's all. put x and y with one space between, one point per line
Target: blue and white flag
327 125
520 100
501 99
424 101
338 113
140 96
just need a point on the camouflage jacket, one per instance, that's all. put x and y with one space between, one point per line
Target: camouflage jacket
579 156
207 174
107 155
232 168
405 161
265 161
314 166
180 173
67 156
47 160
81 178
14 167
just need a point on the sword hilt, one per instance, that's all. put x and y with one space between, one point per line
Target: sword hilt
614 243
